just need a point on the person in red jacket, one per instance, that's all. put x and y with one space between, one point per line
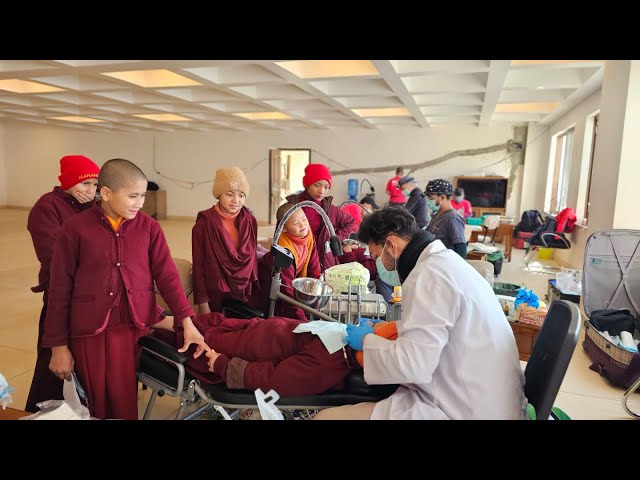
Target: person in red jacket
77 191
296 236
317 182
460 204
224 245
101 296
396 197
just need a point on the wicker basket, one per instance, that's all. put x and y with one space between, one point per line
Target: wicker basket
619 356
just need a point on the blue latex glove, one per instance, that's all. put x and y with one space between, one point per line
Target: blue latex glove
362 320
356 333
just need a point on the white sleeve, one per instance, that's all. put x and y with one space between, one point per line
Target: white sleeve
429 312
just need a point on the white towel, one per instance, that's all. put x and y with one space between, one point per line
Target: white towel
331 333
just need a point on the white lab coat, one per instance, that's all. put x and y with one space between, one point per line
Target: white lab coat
455 356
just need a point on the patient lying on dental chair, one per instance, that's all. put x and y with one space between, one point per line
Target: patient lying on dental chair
265 354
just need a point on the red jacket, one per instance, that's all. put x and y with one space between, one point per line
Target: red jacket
464 205
342 222
566 220
45 219
395 192
92 265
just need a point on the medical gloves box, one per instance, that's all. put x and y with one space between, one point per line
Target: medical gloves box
530 315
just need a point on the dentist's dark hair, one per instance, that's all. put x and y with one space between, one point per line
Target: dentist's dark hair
377 226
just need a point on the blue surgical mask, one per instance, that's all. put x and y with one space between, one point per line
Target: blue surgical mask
388 277
431 205
459 198
406 193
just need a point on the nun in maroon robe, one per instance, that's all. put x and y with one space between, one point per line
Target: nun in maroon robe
224 245
75 194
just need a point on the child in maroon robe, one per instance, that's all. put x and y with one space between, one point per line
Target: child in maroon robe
224 244
296 236
101 297
317 182
77 191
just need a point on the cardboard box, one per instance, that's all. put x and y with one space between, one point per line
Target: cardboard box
530 315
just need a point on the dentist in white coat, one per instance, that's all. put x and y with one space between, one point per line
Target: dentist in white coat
455 356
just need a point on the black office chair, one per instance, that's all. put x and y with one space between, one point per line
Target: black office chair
550 357
546 236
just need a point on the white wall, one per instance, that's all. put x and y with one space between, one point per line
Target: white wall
3 173
534 175
538 167
626 214
196 156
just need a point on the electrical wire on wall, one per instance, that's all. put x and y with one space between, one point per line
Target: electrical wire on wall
191 184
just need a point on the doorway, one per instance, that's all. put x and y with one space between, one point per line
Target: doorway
286 169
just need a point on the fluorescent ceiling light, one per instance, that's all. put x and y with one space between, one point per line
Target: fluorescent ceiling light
540 107
264 116
163 117
329 68
382 112
153 78
77 119
547 62
24 86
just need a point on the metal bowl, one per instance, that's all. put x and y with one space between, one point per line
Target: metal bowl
312 292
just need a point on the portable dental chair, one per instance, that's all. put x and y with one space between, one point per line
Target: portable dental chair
162 367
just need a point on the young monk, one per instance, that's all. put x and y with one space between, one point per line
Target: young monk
101 297
317 182
224 244
297 237
77 190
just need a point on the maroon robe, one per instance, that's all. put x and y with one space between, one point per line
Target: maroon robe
220 271
265 354
45 219
342 222
287 275
101 299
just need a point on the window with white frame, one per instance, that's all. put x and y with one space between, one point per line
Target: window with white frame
593 149
559 170
586 168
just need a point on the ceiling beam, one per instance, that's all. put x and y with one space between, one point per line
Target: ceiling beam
398 87
495 81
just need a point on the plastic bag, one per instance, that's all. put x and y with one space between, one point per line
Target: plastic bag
5 390
68 409
339 276
266 404
569 281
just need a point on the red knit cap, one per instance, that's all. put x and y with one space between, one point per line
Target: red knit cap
315 172
75 169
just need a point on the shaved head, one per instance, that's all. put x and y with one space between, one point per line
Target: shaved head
118 172
282 209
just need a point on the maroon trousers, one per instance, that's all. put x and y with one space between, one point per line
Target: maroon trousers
106 367
44 385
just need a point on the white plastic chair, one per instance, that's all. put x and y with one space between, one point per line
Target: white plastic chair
491 222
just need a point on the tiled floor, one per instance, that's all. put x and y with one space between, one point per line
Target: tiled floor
583 395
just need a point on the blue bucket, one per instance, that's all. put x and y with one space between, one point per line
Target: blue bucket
352 188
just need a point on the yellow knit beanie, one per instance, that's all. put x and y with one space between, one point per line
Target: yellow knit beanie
230 179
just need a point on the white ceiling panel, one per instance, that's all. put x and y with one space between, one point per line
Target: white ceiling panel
437 92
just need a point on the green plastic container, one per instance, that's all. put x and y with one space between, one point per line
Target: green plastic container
508 289
475 220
